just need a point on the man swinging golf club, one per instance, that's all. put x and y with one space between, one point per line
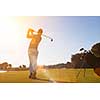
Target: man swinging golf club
33 50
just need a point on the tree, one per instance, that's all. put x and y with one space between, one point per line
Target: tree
4 65
91 57
96 49
9 66
20 66
90 60
69 65
75 59
24 66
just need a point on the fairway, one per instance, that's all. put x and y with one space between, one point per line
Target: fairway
55 75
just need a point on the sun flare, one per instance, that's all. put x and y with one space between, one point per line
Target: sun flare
8 29
11 39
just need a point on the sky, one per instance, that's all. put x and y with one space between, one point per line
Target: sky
70 33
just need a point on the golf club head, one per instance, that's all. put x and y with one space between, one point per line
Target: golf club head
51 40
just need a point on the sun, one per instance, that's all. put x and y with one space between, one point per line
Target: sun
9 31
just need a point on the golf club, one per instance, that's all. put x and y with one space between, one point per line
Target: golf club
42 35
48 37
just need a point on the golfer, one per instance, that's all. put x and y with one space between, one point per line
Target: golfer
33 50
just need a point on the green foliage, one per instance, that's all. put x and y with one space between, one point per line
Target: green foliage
91 58
96 49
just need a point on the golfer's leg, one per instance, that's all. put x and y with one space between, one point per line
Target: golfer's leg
34 64
30 66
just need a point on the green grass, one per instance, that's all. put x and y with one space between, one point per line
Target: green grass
56 75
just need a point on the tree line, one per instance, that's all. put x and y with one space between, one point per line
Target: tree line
88 59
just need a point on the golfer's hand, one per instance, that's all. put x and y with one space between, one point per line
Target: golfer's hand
30 33
30 30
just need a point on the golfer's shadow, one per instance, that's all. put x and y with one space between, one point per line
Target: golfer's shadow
46 80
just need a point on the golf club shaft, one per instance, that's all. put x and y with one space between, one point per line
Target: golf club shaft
30 30
47 36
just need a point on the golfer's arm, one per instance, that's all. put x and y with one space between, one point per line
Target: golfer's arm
29 33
